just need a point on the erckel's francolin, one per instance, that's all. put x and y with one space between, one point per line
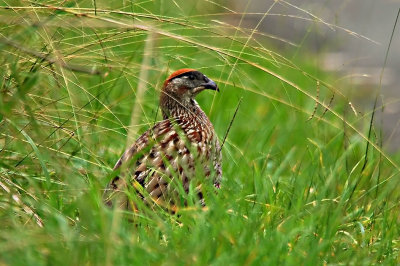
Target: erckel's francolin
180 148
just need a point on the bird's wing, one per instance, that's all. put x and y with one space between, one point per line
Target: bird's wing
155 158
134 163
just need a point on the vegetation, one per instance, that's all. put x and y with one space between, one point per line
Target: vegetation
305 177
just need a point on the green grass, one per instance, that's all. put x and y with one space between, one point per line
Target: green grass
294 191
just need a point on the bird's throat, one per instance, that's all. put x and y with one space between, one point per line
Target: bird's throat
180 107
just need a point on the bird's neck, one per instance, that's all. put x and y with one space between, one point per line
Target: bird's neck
174 108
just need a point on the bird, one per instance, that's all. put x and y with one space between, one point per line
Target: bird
161 164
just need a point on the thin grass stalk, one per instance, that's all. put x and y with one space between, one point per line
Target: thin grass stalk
141 88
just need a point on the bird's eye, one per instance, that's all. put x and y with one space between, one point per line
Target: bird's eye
191 77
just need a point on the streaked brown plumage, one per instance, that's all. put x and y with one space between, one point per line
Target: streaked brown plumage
182 146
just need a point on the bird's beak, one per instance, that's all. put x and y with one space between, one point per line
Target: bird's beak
210 85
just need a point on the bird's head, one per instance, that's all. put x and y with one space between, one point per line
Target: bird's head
186 83
180 89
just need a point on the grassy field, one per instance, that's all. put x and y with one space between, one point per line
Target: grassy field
305 180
